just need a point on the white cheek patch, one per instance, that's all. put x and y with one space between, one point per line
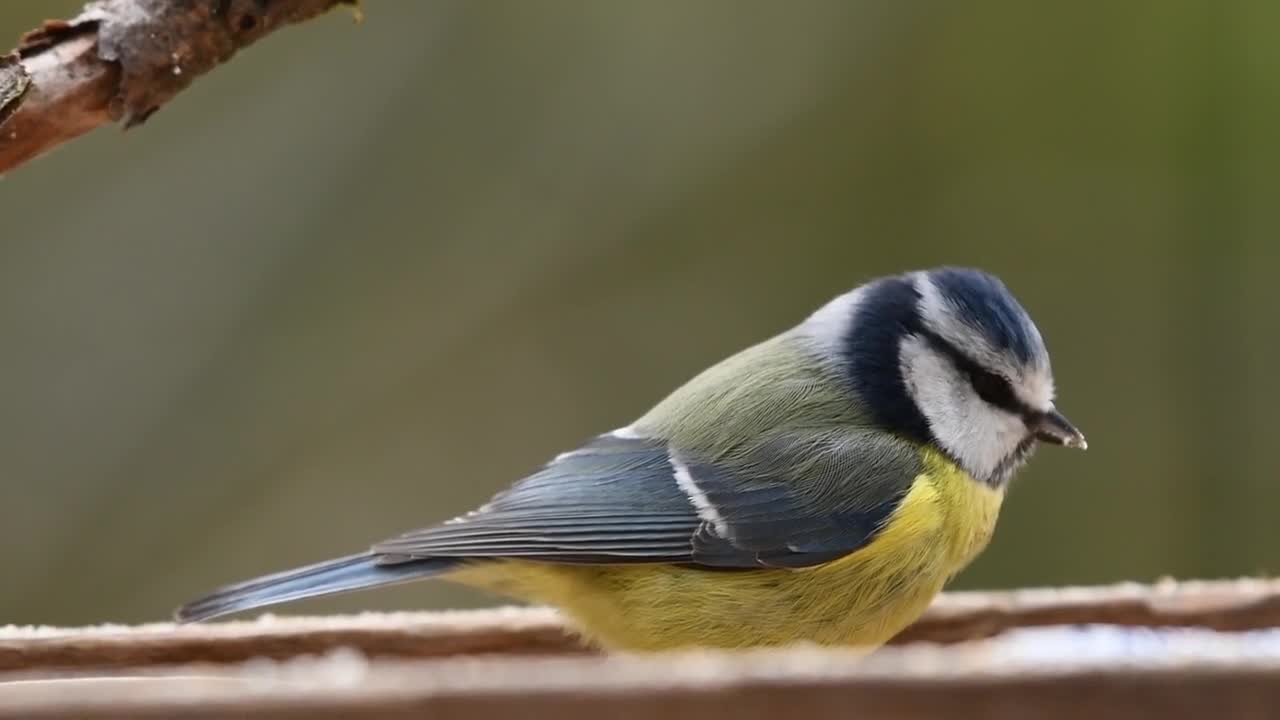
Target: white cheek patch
976 434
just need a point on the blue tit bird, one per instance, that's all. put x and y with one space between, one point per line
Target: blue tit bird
821 486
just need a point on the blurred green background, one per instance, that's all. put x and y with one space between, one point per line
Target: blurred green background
363 276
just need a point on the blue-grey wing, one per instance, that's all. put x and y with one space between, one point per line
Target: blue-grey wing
622 499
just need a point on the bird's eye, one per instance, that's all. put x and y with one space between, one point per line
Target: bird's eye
992 388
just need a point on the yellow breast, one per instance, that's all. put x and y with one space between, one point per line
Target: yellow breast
862 599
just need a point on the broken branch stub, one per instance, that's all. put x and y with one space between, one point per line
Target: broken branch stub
121 60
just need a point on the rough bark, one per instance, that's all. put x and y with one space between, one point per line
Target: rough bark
954 618
120 61
961 662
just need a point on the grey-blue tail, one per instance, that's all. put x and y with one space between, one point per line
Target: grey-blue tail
354 572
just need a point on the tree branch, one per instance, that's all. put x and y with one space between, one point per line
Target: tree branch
954 618
1051 674
120 61
408 665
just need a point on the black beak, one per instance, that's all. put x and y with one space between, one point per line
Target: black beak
1052 427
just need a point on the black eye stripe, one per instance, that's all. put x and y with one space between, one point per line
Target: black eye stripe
991 387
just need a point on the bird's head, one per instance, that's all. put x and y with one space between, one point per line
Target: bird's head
949 358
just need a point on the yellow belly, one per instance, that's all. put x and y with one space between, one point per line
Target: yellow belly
863 599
